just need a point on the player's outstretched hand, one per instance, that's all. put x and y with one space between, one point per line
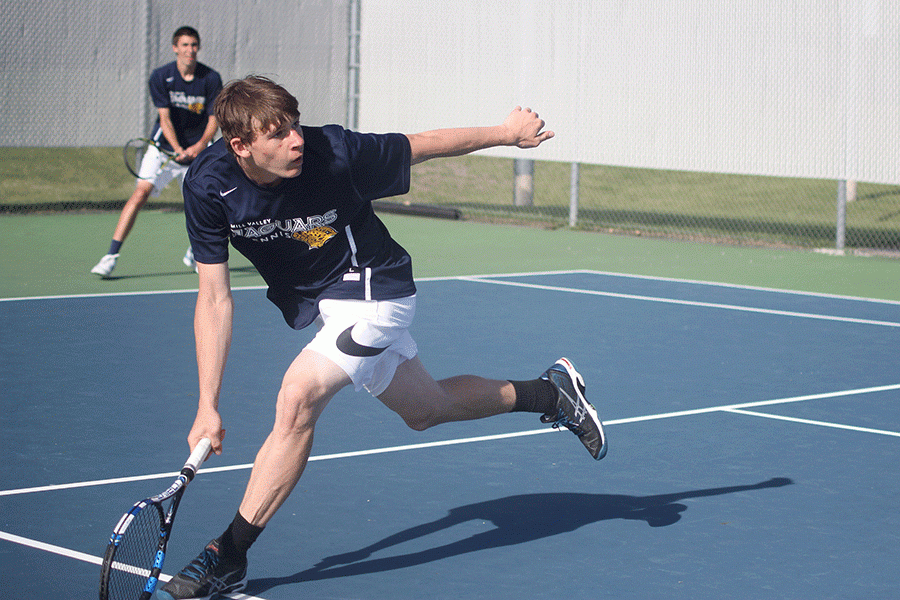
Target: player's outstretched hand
526 128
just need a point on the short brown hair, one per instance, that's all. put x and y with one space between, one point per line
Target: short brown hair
253 105
185 30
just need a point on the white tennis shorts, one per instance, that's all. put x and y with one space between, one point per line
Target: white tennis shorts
160 178
368 339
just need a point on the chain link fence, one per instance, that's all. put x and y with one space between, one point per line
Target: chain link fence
792 96
721 208
74 74
74 88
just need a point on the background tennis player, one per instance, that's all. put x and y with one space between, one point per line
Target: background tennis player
183 92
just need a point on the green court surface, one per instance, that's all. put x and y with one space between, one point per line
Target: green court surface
51 254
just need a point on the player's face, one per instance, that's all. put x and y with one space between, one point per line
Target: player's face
275 155
186 48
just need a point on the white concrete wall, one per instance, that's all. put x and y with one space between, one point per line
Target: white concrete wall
807 88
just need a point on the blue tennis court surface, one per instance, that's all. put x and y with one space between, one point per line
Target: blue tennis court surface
754 437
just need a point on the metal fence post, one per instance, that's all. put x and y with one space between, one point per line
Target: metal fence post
841 229
145 115
573 194
523 194
352 118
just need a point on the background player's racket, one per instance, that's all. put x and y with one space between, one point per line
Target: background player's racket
137 547
134 151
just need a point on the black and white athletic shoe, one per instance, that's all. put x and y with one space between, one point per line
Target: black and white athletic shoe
205 577
573 411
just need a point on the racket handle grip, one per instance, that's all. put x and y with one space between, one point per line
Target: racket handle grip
201 451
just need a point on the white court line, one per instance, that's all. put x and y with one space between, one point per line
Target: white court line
732 408
812 422
9 537
483 438
263 287
101 295
738 286
743 405
80 484
420 446
94 560
497 275
767 311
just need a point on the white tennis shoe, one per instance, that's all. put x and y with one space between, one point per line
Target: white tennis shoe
106 265
189 261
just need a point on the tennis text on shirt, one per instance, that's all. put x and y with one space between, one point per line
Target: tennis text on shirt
195 104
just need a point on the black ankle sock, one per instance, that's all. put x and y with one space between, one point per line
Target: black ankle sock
537 396
114 247
237 539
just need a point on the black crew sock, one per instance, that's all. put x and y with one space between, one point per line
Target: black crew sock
114 247
537 396
237 539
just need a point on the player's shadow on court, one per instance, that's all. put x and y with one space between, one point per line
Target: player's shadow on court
516 520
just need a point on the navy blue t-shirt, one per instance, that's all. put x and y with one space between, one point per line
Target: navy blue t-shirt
190 103
313 236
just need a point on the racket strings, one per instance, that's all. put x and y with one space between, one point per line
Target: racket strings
136 554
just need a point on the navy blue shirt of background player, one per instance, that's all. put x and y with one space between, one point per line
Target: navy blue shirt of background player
313 236
190 103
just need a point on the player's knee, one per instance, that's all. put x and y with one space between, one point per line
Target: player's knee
141 194
418 423
137 202
421 418
299 407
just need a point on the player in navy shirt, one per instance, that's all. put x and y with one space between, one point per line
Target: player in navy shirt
286 230
297 202
183 92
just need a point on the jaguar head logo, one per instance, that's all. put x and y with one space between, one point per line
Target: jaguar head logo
315 238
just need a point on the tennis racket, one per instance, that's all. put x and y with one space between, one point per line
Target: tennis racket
134 152
137 548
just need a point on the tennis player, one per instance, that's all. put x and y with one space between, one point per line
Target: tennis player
296 201
183 92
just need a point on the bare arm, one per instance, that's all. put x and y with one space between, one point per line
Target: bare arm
212 332
191 152
168 129
522 128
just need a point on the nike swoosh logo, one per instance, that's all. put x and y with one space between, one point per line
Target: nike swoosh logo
347 345
226 192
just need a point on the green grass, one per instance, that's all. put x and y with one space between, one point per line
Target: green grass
67 179
52 253
769 210
729 208
52 241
